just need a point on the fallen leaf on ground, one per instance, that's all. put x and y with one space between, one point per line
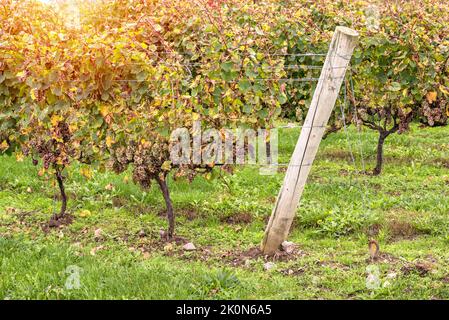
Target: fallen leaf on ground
98 233
84 213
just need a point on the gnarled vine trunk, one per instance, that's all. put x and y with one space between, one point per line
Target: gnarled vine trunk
162 181
383 134
380 153
60 180
57 218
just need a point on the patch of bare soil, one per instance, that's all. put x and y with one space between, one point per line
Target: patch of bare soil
335 265
293 271
240 258
421 268
238 218
442 162
384 257
177 240
282 169
169 246
402 230
65 220
174 248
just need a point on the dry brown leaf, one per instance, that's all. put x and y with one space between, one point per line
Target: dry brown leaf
431 96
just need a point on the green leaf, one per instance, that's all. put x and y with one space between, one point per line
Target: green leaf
244 85
282 98
394 86
227 66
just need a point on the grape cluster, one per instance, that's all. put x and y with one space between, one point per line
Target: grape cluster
53 151
147 158
435 114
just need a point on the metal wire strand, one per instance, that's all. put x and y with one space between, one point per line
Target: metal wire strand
221 80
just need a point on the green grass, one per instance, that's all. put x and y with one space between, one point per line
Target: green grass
408 206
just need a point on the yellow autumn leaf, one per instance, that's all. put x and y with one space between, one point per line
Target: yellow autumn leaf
86 172
26 130
266 27
41 172
33 95
444 90
21 74
104 110
20 157
84 213
55 119
166 166
73 127
109 141
431 96
4 146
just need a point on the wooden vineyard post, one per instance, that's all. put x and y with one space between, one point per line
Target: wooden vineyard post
332 75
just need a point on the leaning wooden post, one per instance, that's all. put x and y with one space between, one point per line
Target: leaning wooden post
340 51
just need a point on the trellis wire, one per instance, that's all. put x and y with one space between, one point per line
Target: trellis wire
276 54
219 80
196 64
